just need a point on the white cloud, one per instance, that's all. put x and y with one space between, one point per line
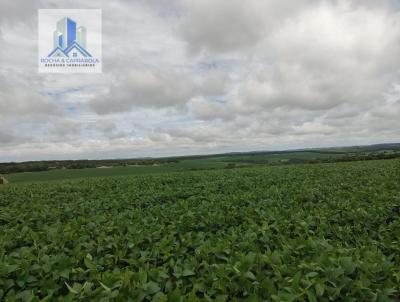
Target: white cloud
188 76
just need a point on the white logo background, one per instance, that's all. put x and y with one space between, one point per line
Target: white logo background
89 18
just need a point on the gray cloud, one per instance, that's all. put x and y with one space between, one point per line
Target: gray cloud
233 25
19 98
149 87
6 137
17 10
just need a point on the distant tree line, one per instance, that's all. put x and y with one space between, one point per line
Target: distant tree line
232 163
347 158
35 166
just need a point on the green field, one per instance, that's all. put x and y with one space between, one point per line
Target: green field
275 157
187 164
321 232
113 171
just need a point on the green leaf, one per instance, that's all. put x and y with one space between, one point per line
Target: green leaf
142 277
319 288
175 296
26 295
312 274
65 273
187 273
152 287
10 269
105 286
311 295
249 275
221 298
296 280
160 297
348 265
70 288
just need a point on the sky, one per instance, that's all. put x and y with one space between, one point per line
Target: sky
204 76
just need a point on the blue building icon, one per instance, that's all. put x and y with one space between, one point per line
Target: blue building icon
69 41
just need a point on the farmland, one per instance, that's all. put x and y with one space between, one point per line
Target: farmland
60 170
112 171
320 232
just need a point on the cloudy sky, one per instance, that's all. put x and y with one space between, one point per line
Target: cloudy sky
205 76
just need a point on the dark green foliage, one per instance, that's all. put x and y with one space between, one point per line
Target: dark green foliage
327 232
36 166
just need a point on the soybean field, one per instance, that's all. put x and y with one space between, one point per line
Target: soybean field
307 232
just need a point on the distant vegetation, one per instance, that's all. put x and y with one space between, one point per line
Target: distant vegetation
68 169
35 166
